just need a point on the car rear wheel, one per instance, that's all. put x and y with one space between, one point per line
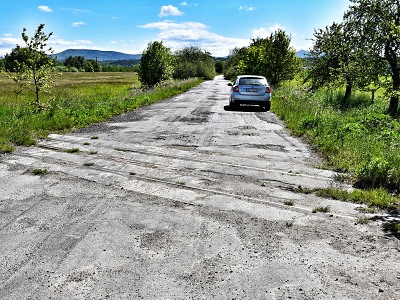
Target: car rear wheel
233 105
266 107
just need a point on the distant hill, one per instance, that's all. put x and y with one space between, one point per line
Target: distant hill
302 53
113 55
93 54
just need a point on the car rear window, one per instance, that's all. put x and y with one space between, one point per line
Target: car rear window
252 81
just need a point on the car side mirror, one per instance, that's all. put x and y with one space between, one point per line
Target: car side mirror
230 84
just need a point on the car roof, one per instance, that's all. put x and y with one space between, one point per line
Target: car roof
251 76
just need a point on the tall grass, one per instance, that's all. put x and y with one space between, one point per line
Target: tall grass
356 136
78 99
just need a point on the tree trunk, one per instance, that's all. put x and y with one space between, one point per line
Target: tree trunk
392 59
394 99
349 89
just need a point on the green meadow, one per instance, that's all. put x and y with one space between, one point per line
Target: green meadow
76 100
357 137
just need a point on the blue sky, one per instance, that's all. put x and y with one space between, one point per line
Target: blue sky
129 25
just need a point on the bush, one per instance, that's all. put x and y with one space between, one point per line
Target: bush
194 62
219 66
362 140
156 64
374 173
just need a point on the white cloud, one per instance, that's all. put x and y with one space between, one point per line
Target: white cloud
7 35
59 45
184 3
7 43
78 24
169 10
44 8
80 11
179 35
247 8
265 32
299 42
170 25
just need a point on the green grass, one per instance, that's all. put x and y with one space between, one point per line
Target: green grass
72 150
378 198
288 202
77 100
40 172
322 209
363 220
357 137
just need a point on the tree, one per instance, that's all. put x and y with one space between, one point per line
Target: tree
375 29
219 66
33 65
334 61
17 54
231 65
271 57
194 62
156 64
91 65
75 61
281 62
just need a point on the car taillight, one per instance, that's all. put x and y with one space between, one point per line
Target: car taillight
268 90
235 89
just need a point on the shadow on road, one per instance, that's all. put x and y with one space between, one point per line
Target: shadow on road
390 222
244 108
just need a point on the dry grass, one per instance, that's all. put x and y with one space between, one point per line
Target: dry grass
72 83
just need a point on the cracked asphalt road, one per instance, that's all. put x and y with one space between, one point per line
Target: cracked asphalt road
184 200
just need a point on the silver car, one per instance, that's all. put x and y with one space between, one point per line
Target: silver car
250 89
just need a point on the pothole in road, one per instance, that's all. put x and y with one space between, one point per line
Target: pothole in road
183 147
268 147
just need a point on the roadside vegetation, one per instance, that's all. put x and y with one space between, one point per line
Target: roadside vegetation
272 57
343 98
158 64
34 104
77 100
345 101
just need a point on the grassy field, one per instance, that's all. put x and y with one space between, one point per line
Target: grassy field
357 137
77 99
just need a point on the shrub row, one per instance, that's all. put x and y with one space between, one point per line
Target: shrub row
356 137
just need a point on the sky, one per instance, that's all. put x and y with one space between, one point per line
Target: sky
129 25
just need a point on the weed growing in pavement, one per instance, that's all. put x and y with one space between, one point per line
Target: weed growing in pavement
92 152
322 209
94 137
88 164
366 210
72 150
40 172
289 202
363 220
